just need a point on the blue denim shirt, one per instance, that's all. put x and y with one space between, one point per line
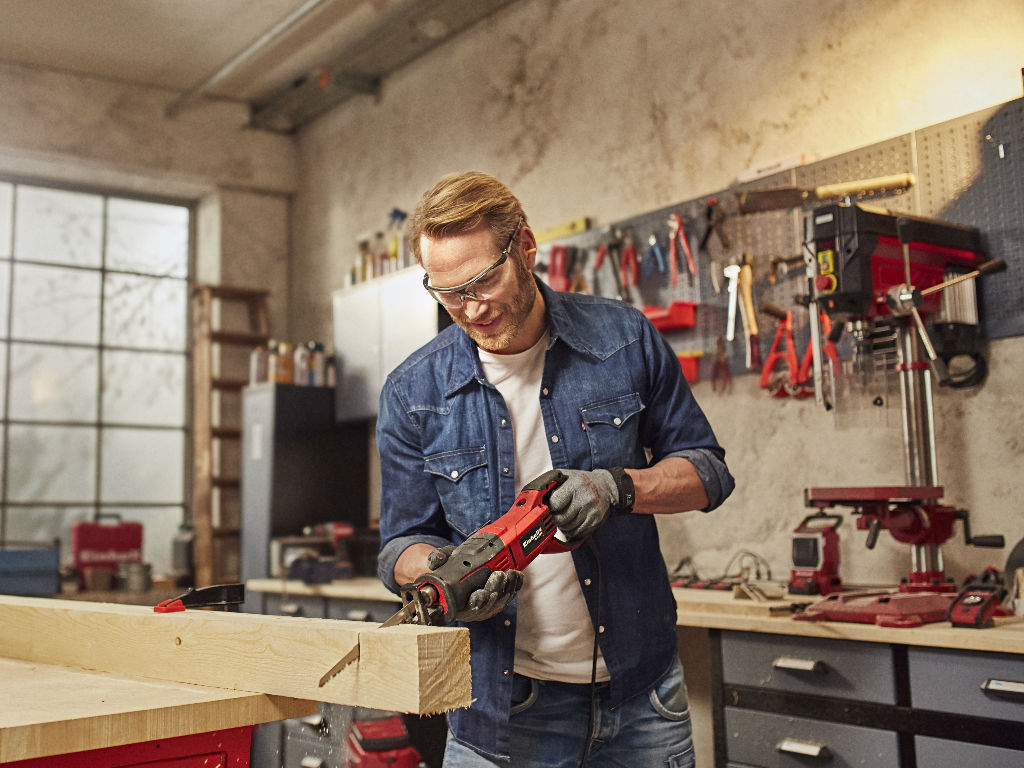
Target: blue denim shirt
611 388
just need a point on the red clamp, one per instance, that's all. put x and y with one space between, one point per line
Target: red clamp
557 278
783 335
804 374
219 595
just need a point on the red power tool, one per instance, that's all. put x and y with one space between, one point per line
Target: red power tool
511 542
816 556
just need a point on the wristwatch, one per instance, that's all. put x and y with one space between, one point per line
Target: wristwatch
627 493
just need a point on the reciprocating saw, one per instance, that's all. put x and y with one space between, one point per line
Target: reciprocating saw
511 542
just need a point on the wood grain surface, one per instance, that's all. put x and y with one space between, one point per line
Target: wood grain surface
52 710
407 668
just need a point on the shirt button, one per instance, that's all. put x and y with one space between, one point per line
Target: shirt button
505 470
505 673
503 422
586 582
554 438
616 421
455 473
600 630
544 391
508 622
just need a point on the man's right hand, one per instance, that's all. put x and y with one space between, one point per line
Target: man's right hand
487 601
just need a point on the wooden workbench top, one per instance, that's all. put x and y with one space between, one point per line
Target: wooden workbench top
720 610
361 588
48 709
714 609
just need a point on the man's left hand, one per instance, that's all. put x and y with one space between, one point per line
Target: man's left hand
582 501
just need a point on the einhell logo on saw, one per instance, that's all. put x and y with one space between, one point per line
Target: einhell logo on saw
530 540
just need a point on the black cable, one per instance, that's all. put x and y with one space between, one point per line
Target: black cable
593 663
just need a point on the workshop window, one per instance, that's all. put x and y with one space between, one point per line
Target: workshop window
93 364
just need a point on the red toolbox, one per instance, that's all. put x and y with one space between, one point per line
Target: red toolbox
104 545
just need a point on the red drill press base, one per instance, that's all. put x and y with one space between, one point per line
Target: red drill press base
888 608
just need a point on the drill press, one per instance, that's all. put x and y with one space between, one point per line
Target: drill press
872 270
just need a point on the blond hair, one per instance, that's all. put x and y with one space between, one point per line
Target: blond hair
458 202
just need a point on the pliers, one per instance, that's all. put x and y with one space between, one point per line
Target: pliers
628 262
654 252
676 232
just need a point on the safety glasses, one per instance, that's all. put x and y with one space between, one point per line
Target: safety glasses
482 287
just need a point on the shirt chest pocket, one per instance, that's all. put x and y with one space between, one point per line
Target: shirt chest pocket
460 478
613 430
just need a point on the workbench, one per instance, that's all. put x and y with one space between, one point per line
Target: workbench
47 711
901 697
782 692
103 685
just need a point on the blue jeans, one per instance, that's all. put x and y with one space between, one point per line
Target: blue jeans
549 728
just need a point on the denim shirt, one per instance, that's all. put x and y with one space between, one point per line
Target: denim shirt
611 388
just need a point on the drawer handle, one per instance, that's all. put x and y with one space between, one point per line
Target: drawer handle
291 609
795 664
805 748
1011 689
312 762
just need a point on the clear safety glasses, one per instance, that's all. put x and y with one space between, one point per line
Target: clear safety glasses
481 287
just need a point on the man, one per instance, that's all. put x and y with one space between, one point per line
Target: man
525 381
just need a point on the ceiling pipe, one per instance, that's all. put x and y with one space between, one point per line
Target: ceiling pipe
252 51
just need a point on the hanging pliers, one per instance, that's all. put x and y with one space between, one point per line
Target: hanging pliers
676 232
654 252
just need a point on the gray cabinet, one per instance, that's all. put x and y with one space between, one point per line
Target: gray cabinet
377 324
299 467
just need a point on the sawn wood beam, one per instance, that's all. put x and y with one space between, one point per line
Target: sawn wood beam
406 668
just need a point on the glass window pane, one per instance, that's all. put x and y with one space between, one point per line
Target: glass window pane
159 527
59 227
145 465
53 304
144 388
6 199
51 463
145 312
147 237
5 282
53 383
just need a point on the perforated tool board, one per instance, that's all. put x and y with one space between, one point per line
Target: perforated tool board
968 170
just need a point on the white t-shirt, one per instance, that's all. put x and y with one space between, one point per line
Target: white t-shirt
554 635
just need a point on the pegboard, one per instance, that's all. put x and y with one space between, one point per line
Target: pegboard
969 170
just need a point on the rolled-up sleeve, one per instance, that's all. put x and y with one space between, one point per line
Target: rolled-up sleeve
676 424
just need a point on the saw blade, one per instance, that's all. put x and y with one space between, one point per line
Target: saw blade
407 613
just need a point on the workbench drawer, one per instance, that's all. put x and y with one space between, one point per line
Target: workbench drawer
808 665
767 740
967 682
943 753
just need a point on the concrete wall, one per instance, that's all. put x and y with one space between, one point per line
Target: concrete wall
615 108
106 135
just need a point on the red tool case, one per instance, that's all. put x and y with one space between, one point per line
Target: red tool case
98 544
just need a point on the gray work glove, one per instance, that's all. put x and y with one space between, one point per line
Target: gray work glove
487 601
582 502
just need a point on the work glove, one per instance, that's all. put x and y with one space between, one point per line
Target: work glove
487 601
582 502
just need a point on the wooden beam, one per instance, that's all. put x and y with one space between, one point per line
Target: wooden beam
407 668
52 710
